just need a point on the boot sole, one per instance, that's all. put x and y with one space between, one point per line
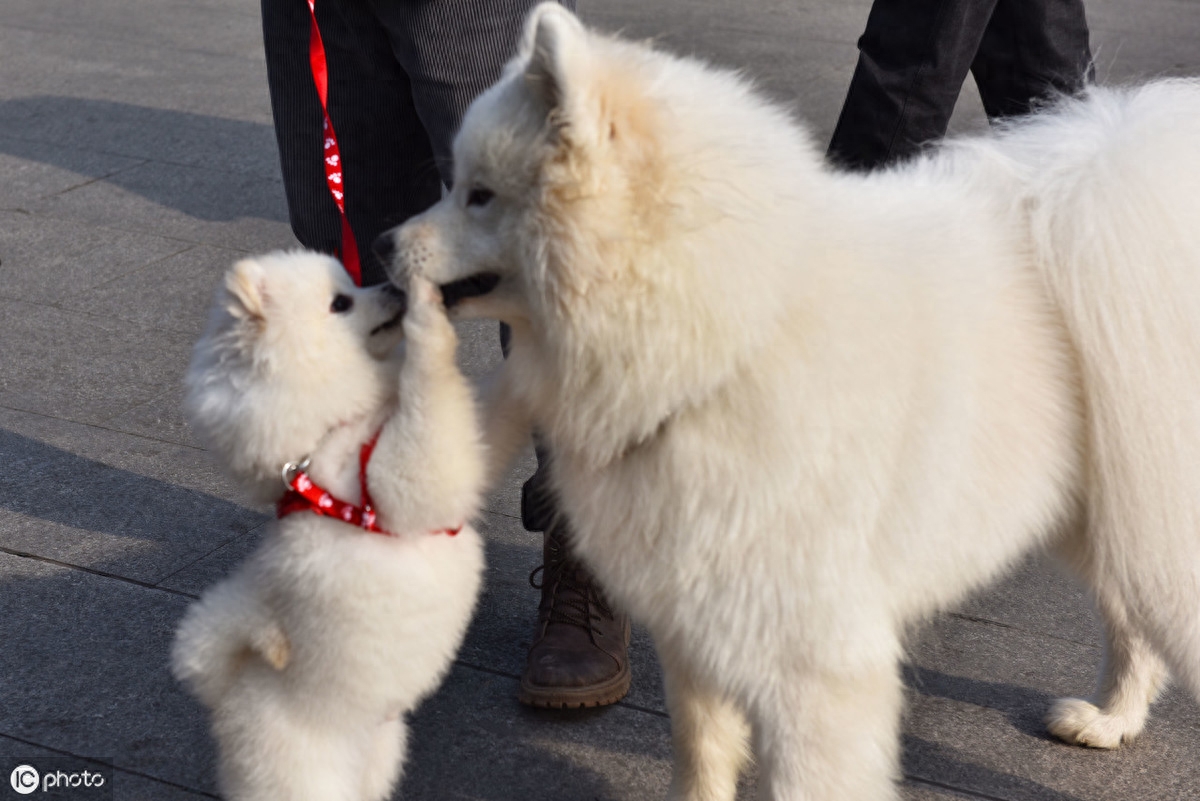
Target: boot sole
605 693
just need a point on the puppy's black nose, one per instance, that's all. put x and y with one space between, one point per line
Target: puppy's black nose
384 248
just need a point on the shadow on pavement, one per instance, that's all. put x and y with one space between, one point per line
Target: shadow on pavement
44 482
100 138
1024 707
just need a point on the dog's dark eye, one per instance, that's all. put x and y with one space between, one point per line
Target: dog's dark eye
479 196
341 303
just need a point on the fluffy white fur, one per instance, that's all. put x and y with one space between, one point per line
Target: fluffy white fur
794 411
312 652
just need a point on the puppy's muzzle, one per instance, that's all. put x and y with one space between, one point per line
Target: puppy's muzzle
395 300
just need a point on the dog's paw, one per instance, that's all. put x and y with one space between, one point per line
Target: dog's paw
1080 722
423 292
425 321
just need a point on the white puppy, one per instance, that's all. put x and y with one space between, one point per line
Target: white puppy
310 655
793 411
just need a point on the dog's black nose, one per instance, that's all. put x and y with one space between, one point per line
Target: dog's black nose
384 248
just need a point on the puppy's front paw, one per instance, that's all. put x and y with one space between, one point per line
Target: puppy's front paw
425 322
424 292
1079 722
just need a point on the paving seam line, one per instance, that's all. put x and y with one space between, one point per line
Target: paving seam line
114 766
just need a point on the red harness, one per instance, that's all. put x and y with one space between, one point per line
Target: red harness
305 496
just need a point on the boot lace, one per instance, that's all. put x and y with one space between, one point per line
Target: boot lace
574 599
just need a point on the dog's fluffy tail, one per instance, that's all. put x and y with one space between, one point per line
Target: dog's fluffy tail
1116 219
220 633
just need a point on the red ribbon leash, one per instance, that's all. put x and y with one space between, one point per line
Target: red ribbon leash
333 156
306 496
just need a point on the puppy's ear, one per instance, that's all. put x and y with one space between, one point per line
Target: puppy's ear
555 49
245 289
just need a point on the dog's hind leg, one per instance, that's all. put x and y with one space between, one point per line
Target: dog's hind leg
709 736
385 759
271 749
1131 679
830 736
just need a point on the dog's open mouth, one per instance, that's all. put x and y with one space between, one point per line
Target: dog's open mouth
472 286
388 324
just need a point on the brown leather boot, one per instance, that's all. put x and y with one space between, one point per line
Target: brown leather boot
579 655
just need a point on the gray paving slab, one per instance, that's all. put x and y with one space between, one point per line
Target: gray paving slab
169 294
37 126
79 366
85 667
35 169
230 28
196 204
55 504
125 784
154 458
473 741
48 261
70 63
978 696
160 417
1157 38
1041 597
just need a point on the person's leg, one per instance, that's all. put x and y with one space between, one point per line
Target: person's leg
388 166
452 51
579 655
913 58
1031 51
297 114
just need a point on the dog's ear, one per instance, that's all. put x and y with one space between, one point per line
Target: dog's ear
555 49
245 289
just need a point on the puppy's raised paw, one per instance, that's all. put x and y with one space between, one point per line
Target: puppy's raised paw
423 291
425 323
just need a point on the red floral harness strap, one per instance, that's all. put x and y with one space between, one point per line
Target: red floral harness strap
305 496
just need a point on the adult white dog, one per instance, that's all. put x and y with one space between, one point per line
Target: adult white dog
312 653
794 411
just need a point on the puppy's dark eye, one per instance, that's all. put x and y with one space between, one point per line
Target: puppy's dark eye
479 196
341 303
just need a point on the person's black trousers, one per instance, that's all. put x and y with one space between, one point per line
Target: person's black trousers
915 55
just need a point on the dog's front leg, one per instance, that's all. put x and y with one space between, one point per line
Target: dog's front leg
823 735
709 736
506 426
428 467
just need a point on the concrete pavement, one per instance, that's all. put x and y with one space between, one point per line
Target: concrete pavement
136 162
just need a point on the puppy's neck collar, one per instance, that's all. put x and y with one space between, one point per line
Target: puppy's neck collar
305 495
